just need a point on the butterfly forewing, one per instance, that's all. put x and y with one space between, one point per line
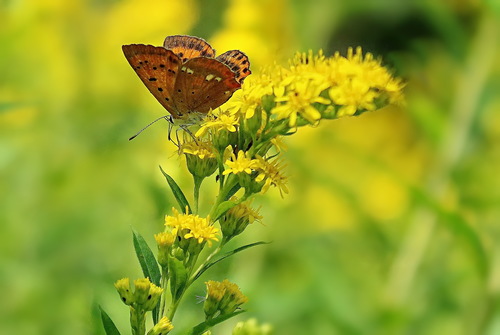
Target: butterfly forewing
203 84
188 47
238 62
158 68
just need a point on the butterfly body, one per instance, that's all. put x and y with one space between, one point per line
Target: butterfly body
184 76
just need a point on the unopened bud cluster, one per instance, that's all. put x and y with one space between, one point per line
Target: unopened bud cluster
222 298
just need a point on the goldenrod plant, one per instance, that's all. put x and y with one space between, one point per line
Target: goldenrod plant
241 143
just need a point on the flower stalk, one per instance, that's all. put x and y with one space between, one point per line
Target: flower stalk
241 143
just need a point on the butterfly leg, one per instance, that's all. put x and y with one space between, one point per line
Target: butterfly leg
185 127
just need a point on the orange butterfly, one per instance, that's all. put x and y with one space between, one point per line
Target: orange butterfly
184 76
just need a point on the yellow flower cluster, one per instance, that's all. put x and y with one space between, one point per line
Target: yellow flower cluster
192 226
314 87
275 102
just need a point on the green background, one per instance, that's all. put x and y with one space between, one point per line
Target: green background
392 222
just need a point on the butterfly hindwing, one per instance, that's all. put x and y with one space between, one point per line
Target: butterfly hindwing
203 84
188 47
238 62
158 68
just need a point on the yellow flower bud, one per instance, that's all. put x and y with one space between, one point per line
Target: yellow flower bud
163 327
164 241
123 288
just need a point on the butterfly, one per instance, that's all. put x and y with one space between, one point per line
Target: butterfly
185 76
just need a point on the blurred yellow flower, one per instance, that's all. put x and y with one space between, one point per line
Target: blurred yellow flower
149 21
353 95
279 144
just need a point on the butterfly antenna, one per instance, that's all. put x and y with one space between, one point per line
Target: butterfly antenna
168 118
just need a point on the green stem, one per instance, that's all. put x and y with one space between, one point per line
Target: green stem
202 265
175 302
137 321
173 306
464 111
221 177
228 185
197 185
163 299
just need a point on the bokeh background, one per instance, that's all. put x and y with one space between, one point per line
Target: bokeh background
393 221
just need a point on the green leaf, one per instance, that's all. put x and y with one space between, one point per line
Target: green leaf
223 208
204 326
226 255
462 230
148 263
176 190
109 325
232 191
178 277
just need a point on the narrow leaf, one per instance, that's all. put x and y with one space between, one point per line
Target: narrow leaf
232 191
109 325
146 259
463 231
226 255
176 190
204 326
223 208
148 263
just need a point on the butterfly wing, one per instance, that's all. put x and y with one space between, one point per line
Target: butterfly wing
203 84
238 62
184 76
188 47
157 67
